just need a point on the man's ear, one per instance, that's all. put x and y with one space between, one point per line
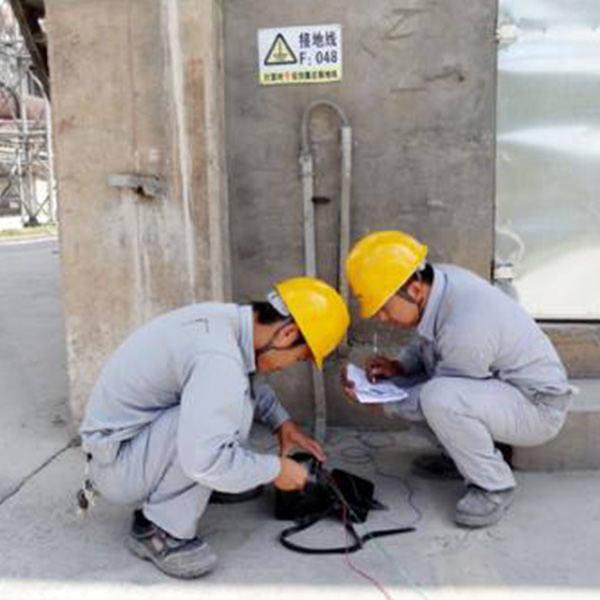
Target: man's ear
415 289
287 334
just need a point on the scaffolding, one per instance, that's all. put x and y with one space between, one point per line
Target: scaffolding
27 187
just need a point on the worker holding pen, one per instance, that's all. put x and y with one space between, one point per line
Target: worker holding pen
478 369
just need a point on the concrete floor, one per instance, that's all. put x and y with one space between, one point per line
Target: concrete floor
546 547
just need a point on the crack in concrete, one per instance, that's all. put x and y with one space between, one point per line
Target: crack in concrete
72 443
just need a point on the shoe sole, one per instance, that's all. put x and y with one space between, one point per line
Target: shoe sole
142 552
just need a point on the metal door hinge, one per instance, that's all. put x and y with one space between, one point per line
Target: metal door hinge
503 271
506 34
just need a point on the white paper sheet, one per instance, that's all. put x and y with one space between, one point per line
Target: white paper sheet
373 393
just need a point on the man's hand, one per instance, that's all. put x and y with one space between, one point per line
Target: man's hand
379 367
293 475
348 388
291 436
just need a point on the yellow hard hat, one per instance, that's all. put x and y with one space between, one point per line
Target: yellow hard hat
319 311
379 265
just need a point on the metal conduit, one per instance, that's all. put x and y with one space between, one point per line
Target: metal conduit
310 251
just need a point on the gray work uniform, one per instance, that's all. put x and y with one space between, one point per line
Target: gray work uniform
480 369
168 420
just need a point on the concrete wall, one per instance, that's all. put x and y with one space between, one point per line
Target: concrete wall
419 88
136 88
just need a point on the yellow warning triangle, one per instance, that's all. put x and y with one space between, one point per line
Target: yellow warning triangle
280 53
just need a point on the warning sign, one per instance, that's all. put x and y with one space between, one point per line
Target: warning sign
310 54
280 53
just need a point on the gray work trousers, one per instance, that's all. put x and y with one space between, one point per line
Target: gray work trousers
468 415
147 470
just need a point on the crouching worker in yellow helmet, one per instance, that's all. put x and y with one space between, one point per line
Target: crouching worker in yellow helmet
478 369
169 417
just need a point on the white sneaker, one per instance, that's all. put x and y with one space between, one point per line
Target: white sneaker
480 508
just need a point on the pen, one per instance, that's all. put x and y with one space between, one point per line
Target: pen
375 348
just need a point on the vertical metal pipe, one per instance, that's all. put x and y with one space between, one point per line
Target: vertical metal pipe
310 268
51 182
29 196
345 216
310 253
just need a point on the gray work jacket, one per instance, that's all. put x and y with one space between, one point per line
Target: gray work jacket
471 329
198 357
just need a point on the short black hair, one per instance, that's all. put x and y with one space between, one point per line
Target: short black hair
266 313
425 275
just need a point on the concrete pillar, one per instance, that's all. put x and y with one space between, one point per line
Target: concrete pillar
137 87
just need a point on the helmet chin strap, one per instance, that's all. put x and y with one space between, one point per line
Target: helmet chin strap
406 296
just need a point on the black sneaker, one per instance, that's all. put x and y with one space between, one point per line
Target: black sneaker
186 559
435 466
442 467
226 498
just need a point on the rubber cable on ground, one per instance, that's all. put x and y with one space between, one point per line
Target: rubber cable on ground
364 454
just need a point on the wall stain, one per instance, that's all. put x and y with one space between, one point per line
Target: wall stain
404 23
452 74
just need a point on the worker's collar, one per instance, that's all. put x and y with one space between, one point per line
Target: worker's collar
246 338
427 325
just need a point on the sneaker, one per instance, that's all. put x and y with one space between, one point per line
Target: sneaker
186 559
226 498
480 508
442 467
435 466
